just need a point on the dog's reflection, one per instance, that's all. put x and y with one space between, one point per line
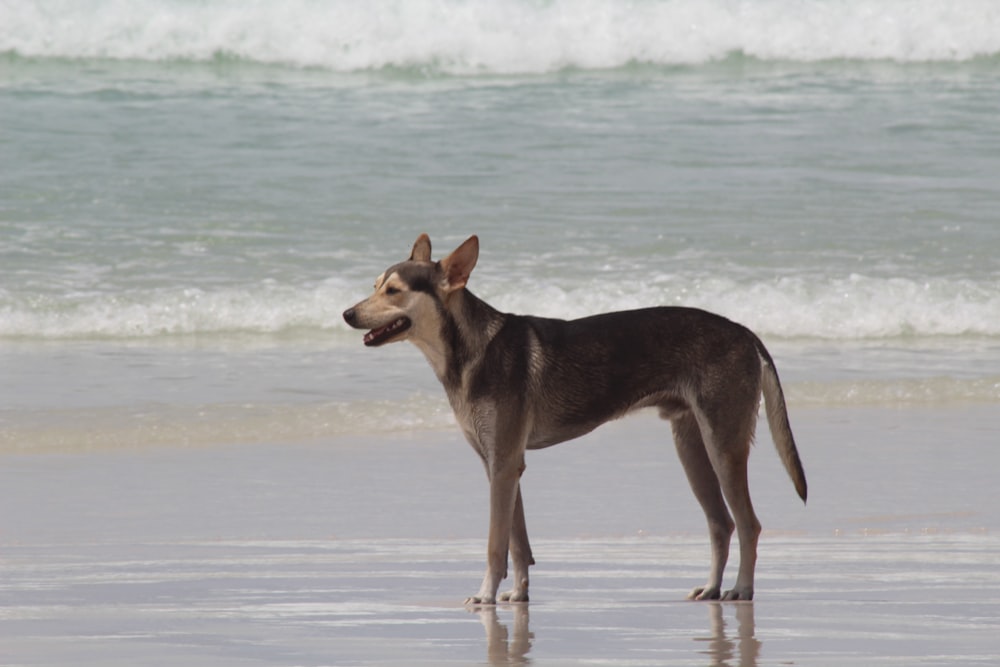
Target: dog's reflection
503 647
743 650
510 647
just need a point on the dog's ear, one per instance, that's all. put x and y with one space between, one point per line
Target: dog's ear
457 266
421 249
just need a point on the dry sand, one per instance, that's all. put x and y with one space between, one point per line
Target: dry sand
359 552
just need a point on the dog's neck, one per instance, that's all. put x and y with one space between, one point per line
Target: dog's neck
468 324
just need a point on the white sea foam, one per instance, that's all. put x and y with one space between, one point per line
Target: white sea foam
260 309
501 36
850 308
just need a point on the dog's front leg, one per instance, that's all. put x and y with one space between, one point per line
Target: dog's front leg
520 554
503 498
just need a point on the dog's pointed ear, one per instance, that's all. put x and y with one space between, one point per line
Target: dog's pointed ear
421 249
457 266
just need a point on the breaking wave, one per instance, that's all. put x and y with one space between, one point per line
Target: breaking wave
500 36
854 307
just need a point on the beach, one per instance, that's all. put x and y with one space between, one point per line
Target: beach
360 551
202 464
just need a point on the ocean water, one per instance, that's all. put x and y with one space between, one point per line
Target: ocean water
192 192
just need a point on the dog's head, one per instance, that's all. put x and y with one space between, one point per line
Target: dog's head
408 295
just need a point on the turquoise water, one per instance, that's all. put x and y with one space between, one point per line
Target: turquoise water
192 193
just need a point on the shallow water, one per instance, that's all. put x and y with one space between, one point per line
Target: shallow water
191 198
200 463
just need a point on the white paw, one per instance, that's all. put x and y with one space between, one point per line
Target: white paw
705 593
514 596
481 600
738 594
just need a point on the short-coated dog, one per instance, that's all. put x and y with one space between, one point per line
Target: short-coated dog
518 382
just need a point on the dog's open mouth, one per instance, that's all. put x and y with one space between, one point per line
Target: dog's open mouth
384 334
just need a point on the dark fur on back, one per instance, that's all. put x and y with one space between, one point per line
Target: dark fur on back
598 368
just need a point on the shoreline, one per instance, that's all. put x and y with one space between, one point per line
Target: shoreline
83 428
359 551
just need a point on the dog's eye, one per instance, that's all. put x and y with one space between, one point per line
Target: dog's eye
390 291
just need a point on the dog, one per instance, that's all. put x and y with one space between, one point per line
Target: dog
518 382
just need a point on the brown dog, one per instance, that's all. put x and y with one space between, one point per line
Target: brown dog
518 382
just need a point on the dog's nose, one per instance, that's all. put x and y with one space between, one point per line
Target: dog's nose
350 316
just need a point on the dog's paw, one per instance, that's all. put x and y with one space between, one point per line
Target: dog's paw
738 594
705 593
514 596
480 601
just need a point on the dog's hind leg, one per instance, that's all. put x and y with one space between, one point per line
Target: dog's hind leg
520 554
727 435
737 492
705 484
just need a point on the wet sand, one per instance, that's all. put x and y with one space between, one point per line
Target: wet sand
359 551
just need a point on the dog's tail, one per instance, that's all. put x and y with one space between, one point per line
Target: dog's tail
777 420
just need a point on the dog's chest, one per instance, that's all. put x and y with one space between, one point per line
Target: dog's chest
477 419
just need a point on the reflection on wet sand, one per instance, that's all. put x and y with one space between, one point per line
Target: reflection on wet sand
726 651
502 647
505 647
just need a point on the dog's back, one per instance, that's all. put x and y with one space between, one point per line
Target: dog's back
577 374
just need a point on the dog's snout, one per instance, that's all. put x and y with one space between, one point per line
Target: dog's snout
351 316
